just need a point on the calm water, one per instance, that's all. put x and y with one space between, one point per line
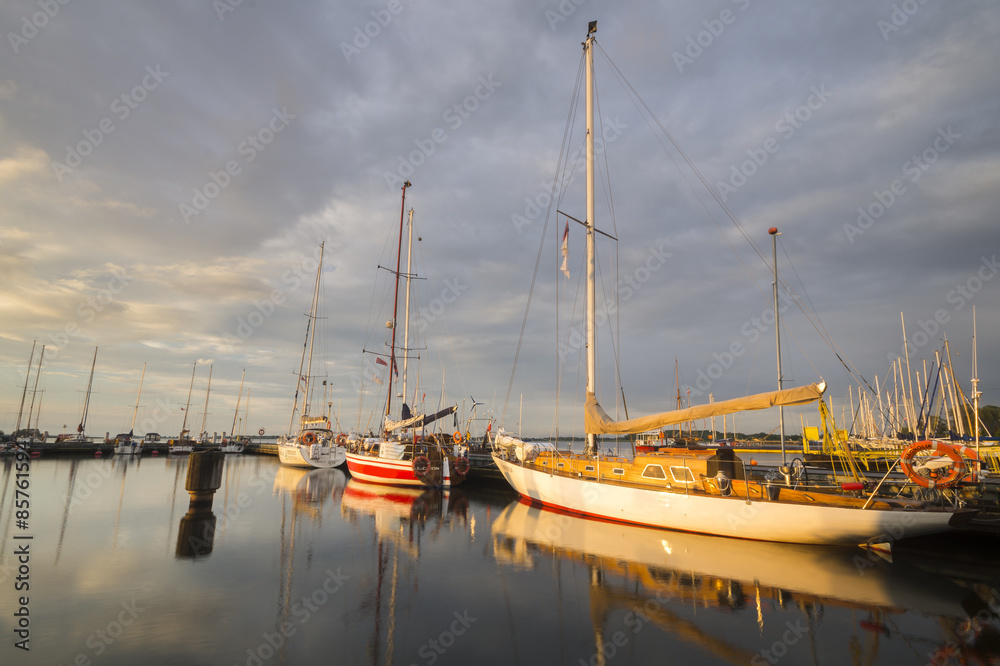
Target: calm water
297 567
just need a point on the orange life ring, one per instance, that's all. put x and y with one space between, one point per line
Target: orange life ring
260 432
457 437
309 438
974 464
462 465
420 466
341 439
936 478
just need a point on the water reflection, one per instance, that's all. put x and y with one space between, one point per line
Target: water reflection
402 518
654 577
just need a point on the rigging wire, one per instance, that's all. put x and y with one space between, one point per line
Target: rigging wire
811 316
552 201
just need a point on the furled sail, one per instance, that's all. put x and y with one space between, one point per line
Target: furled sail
597 421
418 420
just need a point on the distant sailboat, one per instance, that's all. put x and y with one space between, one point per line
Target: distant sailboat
183 443
81 430
126 444
234 443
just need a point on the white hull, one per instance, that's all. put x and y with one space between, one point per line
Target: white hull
303 455
722 516
128 449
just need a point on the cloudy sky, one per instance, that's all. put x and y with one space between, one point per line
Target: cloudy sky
168 171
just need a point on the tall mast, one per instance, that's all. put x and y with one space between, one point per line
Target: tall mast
208 391
187 407
232 432
395 301
24 393
406 313
777 334
312 336
975 379
588 48
136 410
34 389
909 381
86 401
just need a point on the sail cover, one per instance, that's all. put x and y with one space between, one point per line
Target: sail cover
597 421
419 420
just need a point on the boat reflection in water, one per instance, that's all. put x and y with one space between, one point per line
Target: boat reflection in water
647 577
402 515
309 488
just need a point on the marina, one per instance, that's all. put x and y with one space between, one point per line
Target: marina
702 434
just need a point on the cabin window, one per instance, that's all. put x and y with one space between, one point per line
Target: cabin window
588 468
653 472
559 464
682 474
619 471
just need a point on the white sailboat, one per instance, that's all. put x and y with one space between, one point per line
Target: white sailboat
126 444
314 444
235 443
203 438
183 443
705 491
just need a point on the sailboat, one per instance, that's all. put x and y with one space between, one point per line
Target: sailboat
81 430
313 444
395 458
183 443
125 444
706 491
203 439
235 443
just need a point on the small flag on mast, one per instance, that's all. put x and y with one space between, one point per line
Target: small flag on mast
565 251
380 362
